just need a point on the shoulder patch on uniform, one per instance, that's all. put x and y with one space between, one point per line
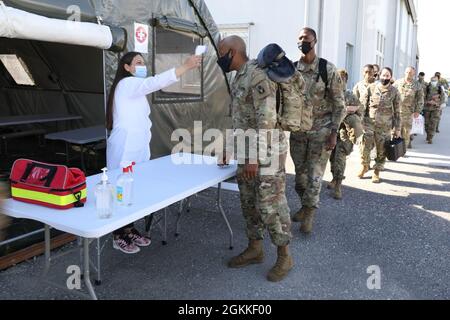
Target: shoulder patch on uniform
262 89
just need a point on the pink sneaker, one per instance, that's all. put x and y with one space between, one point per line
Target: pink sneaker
125 245
138 239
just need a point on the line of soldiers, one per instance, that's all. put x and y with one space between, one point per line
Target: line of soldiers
340 119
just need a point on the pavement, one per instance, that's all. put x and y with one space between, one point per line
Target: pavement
400 228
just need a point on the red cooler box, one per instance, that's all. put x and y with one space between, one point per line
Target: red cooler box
49 185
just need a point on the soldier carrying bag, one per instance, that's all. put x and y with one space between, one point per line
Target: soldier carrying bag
294 115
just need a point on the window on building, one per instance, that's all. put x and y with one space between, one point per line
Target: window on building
381 47
349 62
18 69
241 30
172 48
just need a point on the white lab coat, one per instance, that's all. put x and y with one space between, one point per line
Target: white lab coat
131 134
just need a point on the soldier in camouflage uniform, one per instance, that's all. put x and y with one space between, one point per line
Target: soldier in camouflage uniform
412 100
311 151
360 91
444 84
351 130
263 198
423 84
434 99
382 111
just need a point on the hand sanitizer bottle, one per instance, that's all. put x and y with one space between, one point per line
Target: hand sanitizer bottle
124 186
104 197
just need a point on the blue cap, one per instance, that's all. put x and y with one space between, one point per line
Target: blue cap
280 68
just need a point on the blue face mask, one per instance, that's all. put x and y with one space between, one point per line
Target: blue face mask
141 72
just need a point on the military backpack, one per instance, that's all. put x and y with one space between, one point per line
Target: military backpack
294 114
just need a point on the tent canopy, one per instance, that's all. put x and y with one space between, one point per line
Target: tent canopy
73 78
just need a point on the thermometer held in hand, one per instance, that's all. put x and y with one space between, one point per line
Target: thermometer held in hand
200 50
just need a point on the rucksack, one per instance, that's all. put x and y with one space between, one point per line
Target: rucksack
323 74
293 114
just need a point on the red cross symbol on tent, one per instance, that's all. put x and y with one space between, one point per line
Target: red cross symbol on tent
141 35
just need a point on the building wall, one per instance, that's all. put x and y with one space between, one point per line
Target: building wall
352 33
271 23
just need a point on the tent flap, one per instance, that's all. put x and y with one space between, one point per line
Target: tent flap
179 25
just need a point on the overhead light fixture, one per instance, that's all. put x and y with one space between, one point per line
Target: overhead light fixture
17 69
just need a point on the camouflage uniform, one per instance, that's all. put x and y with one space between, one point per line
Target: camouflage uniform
360 91
308 150
351 130
382 113
263 200
432 109
444 83
411 102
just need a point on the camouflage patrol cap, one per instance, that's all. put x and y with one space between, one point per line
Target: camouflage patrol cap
273 58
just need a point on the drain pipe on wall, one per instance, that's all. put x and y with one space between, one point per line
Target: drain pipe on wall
320 28
306 18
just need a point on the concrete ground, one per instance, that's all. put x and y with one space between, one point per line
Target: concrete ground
402 226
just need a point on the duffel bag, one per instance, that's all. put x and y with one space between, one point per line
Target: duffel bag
50 185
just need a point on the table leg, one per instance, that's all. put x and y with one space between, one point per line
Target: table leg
83 167
148 225
164 242
47 250
80 245
98 281
179 213
87 278
219 205
67 153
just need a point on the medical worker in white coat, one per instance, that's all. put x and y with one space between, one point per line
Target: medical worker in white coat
128 120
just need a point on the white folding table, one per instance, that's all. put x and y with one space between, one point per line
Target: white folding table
158 184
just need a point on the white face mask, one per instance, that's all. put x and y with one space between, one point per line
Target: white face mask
141 72
434 83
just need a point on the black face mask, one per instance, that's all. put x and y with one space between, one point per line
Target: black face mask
385 82
224 62
305 47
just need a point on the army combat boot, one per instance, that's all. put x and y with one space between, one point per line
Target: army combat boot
338 190
299 216
363 171
254 254
376 176
332 184
307 223
283 265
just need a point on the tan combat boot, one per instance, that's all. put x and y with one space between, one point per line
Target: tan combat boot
332 185
254 254
376 176
299 216
283 265
338 190
363 171
307 223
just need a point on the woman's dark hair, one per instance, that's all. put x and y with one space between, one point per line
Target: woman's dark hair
120 74
388 69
